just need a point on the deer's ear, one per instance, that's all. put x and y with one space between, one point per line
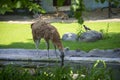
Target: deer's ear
32 25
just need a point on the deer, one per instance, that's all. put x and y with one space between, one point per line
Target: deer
42 29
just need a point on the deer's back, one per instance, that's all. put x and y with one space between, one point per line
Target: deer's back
45 30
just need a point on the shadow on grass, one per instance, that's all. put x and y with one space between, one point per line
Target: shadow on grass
26 45
109 42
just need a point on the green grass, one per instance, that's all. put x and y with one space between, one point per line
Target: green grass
14 35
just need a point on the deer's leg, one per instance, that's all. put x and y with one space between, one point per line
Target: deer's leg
60 47
37 42
55 50
62 57
48 46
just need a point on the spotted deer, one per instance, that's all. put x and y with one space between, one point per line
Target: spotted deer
42 29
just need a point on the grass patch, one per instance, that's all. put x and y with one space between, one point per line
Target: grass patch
13 35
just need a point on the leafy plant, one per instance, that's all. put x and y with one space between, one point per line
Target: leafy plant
99 71
9 5
11 72
6 5
78 7
79 31
105 32
35 8
60 2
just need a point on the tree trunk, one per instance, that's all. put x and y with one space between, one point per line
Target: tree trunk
109 9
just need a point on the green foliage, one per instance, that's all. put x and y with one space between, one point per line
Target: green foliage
78 7
11 72
60 2
97 72
79 31
105 32
115 2
35 8
5 5
102 1
9 5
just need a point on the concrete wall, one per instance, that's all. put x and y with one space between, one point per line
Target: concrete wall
48 5
89 4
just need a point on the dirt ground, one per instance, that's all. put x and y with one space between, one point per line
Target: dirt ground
96 15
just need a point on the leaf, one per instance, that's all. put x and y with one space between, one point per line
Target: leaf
97 1
77 1
5 9
77 14
80 20
102 1
18 4
60 2
116 3
73 8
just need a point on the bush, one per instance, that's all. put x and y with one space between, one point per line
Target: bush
9 5
97 72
